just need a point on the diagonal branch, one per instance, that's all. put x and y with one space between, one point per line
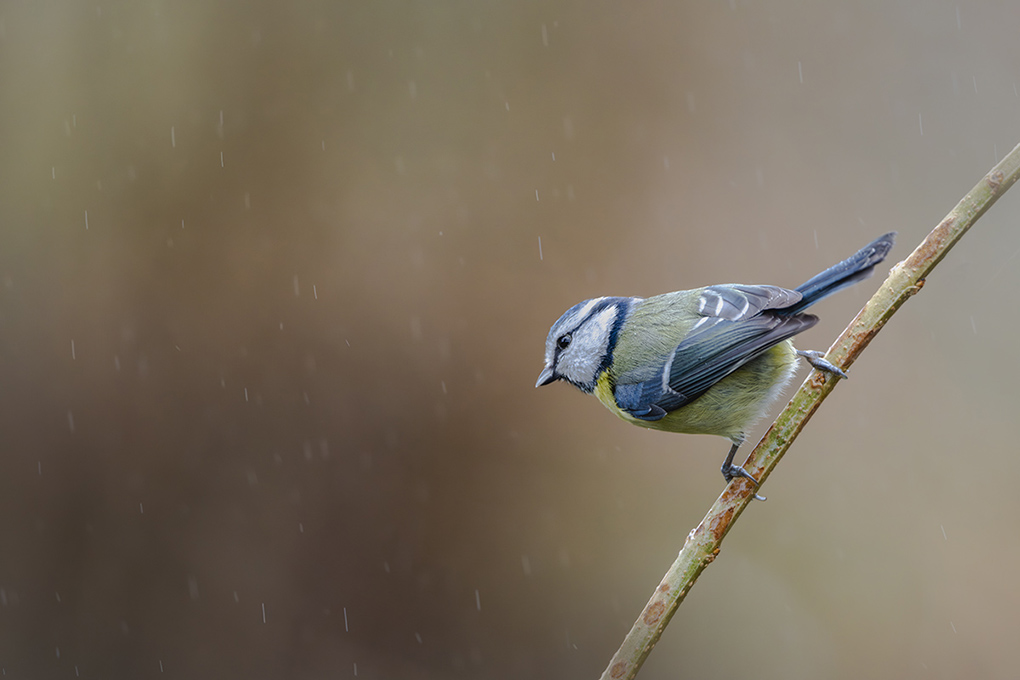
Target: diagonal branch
702 546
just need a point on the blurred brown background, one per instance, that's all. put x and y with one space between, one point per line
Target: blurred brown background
275 286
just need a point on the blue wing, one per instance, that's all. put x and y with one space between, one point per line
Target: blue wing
737 324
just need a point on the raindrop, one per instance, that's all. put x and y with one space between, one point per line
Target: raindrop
86 220
347 628
173 138
221 159
545 36
478 600
263 612
540 248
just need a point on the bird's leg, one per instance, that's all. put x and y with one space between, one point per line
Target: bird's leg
729 470
815 358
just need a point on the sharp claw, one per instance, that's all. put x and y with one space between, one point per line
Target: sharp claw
816 359
735 471
730 471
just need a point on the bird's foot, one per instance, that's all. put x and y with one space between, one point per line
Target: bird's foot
731 471
816 359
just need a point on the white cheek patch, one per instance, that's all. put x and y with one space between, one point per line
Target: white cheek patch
568 322
582 360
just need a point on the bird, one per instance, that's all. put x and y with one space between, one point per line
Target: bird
703 361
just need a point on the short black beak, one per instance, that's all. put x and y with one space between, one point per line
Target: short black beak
547 376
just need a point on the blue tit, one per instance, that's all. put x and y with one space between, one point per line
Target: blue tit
704 361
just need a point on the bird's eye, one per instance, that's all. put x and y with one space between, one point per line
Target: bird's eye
564 341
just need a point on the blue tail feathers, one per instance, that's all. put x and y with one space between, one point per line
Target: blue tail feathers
857 267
